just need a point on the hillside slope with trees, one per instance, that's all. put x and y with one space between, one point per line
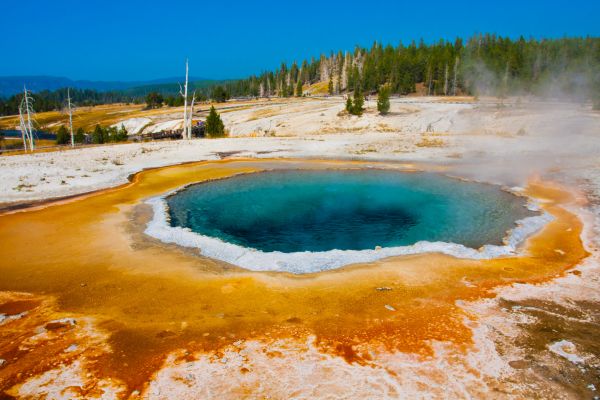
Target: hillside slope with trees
483 64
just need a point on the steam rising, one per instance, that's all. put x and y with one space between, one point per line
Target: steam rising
512 138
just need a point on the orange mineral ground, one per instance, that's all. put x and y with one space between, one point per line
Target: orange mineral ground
93 307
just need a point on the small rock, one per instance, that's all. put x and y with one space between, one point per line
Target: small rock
390 307
2 362
71 348
519 364
383 289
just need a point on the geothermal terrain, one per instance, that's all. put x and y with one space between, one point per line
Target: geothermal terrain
511 138
527 339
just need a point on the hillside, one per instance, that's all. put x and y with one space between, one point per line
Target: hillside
10 85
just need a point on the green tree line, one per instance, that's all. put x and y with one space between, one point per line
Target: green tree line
483 64
55 100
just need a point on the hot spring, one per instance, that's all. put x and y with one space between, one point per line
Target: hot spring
311 220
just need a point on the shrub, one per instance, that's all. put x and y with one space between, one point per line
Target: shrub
62 135
383 100
79 136
349 106
359 100
154 100
214 124
98 135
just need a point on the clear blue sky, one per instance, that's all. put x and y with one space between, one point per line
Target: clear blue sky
141 40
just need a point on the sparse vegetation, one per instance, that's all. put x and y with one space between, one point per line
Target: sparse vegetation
427 141
109 134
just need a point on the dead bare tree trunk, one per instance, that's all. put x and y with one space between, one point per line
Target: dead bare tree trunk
70 117
268 87
190 116
446 81
505 80
184 134
430 81
23 126
455 76
26 125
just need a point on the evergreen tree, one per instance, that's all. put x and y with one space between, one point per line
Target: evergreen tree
98 135
219 94
106 135
62 135
121 135
383 100
359 100
111 134
349 106
154 100
299 88
214 124
79 135
330 86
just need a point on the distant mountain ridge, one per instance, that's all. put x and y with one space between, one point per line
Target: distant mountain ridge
10 85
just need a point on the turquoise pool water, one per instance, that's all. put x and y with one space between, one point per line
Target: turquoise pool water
291 211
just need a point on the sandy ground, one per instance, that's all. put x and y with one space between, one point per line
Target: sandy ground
530 340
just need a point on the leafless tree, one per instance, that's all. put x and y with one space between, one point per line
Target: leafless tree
184 94
446 80
190 116
26 114
70 108
455 76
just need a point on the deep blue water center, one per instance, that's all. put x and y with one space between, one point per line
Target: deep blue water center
308 210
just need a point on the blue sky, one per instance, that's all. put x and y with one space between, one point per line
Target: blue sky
141 40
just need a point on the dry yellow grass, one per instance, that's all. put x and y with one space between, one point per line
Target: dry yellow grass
385 128
452 99
109 114
318 88
263 113
85 117
429 141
